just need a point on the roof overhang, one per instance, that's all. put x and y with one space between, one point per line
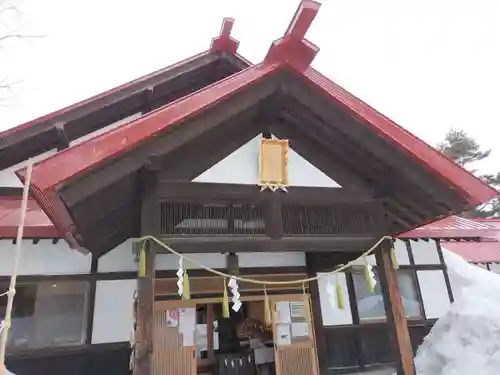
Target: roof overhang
58 129
410 174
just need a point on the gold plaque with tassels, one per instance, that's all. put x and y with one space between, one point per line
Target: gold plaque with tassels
273 164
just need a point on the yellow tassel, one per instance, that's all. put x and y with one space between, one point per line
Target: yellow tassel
225 302
142 262
307 308
340 297
394 260
268 319
186 291
368 280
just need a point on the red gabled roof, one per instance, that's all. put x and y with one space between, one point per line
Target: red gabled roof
37 223
224 42
284 53
484 251
452 227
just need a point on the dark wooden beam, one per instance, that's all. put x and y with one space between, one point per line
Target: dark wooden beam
243 105
145 316
61 136
394 309
325 159
242 244
207 192
273 217
337 118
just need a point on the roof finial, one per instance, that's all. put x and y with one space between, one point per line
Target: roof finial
224 42
303 18
293 48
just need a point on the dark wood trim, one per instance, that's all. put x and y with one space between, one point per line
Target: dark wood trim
289 290
415 277
274 217
91 300
353 304
54 351
319 328
145 313
160 274
242 105
445 271
394 309
334 243
95 113
11 191
206 192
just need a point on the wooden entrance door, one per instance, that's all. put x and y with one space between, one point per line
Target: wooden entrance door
173 339
294 342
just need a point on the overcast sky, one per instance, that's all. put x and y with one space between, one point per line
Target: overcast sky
428 64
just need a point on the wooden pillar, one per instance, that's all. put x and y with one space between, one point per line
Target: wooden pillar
394 309
145 316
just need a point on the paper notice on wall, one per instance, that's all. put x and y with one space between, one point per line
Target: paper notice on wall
173 318
188 338
297 310
300 330
187 325
282 334
283 312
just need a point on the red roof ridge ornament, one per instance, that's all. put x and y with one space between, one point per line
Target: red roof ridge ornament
293 48
224 42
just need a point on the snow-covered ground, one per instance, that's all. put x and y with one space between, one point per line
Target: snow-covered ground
466 340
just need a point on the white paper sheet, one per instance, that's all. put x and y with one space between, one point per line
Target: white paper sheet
282 334
283 312
297 309
300 329
188 339
187 325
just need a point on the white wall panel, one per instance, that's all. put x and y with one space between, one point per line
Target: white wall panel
278 259
113 312
43 258
330 313
425 252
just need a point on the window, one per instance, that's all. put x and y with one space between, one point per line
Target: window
47 314
371 304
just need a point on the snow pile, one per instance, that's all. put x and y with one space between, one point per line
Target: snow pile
466 340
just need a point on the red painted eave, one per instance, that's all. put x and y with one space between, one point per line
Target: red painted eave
37 223
71 162
471 188
75 106
484 251
452 227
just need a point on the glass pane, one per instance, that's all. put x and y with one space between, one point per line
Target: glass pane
48 314
371 304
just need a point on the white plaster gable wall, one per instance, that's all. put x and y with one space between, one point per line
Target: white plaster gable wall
43 258
8 177
242 167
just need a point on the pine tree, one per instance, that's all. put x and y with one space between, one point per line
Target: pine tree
465 151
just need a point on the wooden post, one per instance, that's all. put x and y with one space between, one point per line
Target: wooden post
394 309
145 316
